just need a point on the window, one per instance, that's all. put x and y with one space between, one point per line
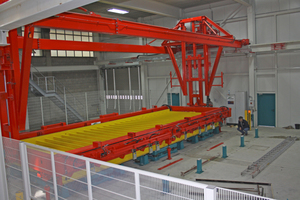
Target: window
57 34
37 34
129 97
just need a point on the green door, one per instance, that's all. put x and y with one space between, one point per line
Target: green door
266 109
175 99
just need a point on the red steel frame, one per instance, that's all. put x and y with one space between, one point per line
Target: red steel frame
203 36
14 83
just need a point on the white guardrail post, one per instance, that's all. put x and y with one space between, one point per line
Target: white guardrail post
137 186
210 193
54 176
3 180
89 179
25 170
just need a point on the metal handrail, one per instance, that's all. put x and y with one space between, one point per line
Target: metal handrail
58 86
166 88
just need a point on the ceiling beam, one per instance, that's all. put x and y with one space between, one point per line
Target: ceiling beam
148 6
16 13
243 2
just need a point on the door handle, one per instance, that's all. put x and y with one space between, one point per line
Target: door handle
273 110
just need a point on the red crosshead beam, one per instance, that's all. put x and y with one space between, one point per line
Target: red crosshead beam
119 147
98 24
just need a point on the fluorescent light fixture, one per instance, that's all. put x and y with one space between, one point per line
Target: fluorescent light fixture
118 11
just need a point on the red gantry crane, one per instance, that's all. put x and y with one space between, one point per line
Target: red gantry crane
189 35
164 126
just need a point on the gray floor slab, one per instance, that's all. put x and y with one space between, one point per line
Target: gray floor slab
283 173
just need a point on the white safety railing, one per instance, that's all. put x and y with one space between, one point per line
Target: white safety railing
39 172
225 194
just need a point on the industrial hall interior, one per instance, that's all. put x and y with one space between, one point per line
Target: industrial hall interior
149 99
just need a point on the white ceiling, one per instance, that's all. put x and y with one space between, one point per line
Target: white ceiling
139 9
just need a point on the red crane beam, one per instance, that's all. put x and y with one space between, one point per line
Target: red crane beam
48 44
98 24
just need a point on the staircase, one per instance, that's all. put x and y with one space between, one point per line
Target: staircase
51 88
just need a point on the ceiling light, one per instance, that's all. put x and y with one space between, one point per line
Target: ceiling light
119 11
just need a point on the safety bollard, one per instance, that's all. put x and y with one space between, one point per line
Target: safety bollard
224 152
169 153
199 166
242 141
256 133
47 191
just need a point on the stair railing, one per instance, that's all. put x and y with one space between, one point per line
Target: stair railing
50 84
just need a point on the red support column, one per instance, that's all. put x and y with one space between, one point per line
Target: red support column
183 57
178 74
200 102
3 106
13 122
190 80
214 70
47 191
206 67
25 74
14 53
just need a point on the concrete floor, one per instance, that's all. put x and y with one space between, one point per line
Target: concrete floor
283 173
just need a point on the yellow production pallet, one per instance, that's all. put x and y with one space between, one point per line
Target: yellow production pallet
84 136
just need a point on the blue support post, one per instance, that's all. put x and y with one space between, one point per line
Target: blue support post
256 133
180 145
143 160
199 166
224 152
242 141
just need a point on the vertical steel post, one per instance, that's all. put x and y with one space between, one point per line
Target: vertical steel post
129 84
105 103
106 87
139 80
256 133
242 141
47 191
118 96
199 166
169 153
137 186
114 78
224 152
25 75
42 111
25 170
89 179
133 101
54 176
66 110
3 180
46 84
210 193
86 107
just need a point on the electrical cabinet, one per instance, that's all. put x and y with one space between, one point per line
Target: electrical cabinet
238 104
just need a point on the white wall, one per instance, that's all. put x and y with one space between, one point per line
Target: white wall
274 27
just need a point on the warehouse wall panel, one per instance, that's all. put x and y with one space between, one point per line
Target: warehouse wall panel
284 98
76 81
